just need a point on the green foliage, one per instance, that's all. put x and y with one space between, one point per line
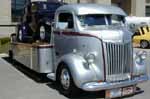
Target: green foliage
4 40
4 44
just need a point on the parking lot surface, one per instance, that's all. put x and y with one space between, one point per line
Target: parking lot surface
17 83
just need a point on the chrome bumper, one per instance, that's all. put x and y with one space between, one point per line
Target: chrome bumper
96 86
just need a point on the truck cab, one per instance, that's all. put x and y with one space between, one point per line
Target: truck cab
95 48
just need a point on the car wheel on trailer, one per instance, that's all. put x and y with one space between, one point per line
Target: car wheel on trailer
42 32
144 44
67 85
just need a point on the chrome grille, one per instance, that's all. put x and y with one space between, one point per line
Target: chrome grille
118 61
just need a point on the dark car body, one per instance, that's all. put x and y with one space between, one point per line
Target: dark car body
36 15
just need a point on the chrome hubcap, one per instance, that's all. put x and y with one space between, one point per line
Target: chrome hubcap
65 79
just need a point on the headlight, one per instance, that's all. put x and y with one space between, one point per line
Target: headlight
90 58
142 54
140 57
139 62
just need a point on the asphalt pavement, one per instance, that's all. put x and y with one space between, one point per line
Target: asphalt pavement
14 84
20 83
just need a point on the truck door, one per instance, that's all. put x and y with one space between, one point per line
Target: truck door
64 38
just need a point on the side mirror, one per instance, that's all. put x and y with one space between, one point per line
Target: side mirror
61 25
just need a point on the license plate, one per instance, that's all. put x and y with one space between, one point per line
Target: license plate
113 93
127 91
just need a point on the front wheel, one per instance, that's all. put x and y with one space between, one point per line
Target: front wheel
67 85
144 44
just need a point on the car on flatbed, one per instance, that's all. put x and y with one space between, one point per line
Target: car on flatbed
36 21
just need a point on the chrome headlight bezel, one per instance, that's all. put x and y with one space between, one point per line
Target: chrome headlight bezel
90 58
140 57
139 63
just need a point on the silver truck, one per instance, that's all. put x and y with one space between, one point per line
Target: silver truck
90 48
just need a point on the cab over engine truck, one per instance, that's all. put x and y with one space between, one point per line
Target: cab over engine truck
89 48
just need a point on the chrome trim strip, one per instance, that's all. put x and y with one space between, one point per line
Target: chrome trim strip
96 86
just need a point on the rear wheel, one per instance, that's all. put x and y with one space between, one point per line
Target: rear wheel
144 44
67 85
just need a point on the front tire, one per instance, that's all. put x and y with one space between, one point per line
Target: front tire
67 85
144 44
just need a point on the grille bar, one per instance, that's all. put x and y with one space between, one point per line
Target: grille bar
118 61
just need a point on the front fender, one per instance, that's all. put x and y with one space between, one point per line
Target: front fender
81 72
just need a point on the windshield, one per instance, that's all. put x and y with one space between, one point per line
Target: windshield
115 19
90 20
100 20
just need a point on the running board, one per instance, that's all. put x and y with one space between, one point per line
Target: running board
51 76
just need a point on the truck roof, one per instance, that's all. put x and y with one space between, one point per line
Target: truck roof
81 9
